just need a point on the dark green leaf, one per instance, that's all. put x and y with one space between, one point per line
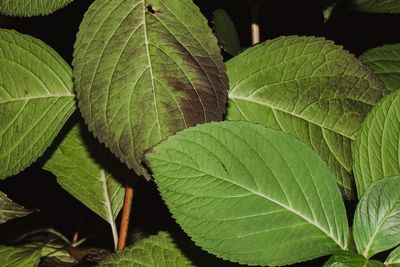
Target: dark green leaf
250 194
29 8
19 256
10 210
309 88
377 6
226 32
348 259
145 69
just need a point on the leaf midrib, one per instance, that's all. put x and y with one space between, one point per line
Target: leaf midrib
10 100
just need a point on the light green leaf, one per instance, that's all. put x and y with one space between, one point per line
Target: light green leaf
10 210
79 164
250 194
385 63
376 225
377 6
36 98
226 32
29 8
307 87
19 256
348 259
393 260
155 251
126 96
376 152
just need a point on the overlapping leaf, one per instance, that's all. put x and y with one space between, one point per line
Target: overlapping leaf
376 225
79 164
250 194
157 251
145 69
377 6
351 260
29 8
376 151
309 88
10 210
385 62
19 256
36 98
226 32
393 260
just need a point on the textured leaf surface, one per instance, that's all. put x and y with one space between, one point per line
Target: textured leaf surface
144 70
84 176
393 260
36 98
10 210
377 6
385 62
376 225
376 151
309 88
351 260
29 8
250 194
226 32
19 256
155 251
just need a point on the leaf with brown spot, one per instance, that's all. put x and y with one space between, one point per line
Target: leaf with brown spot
144 70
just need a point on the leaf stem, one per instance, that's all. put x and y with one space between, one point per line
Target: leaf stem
255 20
126 212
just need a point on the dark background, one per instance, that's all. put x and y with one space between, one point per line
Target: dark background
37 189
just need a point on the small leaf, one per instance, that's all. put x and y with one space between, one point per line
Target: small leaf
393 260
19 256
307 87
156 251
250 194
10 210
376 152
36 99
126 96
377 6
348 259
84 176
226 32
29 8
376 225
385 63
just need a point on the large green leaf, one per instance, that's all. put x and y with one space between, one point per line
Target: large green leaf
309 88
145 69
376 225
19 256
29 8
85 177
376 152
385 62
348 259
155 251
377 6
226 32
250 194
393 260
10 210
36 98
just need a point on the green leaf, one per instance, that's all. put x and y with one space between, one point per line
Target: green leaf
376 225
393 260
377 6
29 8
226 32
348 259
19 256
10 210
36 98
126 96
376 152
307 87
79 164
156 251
250 194
385 63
